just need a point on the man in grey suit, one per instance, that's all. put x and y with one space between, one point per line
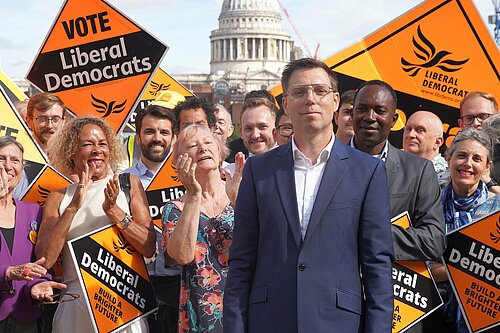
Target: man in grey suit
412 181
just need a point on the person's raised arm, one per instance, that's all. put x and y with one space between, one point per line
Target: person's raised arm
181 244
233 181
138 229
54 227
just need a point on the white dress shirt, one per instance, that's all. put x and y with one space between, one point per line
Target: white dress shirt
382 155
307 181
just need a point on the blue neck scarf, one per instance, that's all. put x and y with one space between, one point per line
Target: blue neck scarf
459 211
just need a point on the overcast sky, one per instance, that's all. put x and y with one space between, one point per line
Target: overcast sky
185 26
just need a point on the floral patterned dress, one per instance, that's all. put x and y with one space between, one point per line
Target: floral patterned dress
203 281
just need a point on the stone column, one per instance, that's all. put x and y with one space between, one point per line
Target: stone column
245 51
253 48
223 49
216 50
261 49
231 49
238 47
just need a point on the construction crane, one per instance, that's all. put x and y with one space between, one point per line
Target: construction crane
299 35
495 19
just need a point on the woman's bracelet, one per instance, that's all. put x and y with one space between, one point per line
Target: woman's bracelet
123 224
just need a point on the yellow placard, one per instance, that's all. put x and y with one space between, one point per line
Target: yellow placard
12 91
41 179
12 124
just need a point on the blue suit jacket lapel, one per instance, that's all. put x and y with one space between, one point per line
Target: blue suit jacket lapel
335 168
285 182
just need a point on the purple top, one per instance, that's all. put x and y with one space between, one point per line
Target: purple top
15 297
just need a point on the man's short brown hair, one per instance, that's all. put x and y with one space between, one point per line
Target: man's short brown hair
485 95
306 63
42 102
255 102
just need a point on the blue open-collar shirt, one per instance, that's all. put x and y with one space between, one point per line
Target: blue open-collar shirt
156 268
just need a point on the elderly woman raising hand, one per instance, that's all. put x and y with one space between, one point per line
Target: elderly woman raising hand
198 228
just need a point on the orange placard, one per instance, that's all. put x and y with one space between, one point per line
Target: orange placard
415 292
97 60
49 180
114 278
164 187
431 56
472 261
161 81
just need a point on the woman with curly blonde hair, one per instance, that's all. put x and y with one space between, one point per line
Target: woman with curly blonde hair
63 145
87 147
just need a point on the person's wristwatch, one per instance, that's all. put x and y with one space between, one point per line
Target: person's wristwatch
123 224
491 183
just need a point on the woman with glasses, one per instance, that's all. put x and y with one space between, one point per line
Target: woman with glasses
464 200
198 228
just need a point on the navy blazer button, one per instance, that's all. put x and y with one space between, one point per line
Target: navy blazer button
302 267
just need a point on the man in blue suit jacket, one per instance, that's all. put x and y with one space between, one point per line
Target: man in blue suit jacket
312 248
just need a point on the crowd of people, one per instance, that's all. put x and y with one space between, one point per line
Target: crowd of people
286 229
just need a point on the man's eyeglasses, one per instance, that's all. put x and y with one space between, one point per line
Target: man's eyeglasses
285 130
319 90
469 119
45 120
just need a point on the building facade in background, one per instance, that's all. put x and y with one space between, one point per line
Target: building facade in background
248 52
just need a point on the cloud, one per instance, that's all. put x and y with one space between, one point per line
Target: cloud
181 69
8 44
341 24
21 63
142 4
